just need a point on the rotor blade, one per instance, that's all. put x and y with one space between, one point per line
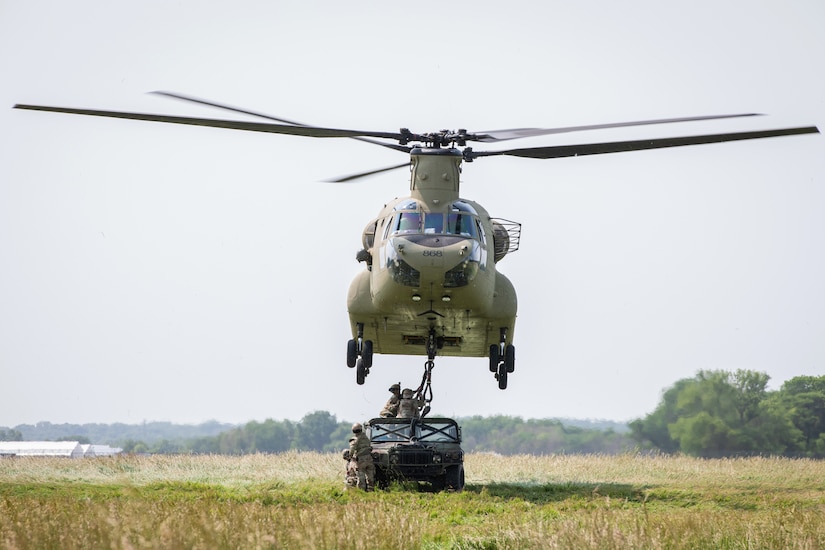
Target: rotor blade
515 133
559 151
365 174
309 131
191 99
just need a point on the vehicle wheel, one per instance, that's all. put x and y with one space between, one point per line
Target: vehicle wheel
494 358
502 377
366 353
381 480
455 478
510 357
352 353
360 372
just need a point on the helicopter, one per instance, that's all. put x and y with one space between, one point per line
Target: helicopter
431 284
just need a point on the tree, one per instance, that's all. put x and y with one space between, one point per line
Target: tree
804 399
10 435
314 431
717 413
269 436
654 427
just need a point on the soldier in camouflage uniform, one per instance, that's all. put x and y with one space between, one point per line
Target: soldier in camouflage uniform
390 409
361 450
351 478
410 404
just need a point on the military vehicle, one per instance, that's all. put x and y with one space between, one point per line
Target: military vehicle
417 449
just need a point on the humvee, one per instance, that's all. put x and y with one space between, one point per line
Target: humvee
417 449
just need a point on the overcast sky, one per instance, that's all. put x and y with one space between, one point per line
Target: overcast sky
156 272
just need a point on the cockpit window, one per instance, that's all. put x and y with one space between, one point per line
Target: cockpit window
408 222
461 206
461 224
411 205
434 223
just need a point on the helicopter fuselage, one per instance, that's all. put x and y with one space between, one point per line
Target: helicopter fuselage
431 269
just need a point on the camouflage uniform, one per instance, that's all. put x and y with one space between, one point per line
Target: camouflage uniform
351 478
390 409
361 450
410 404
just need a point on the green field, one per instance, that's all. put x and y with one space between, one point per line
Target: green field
298 500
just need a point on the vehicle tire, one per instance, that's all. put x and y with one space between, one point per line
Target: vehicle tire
510 357
360 372
366 353
455 478
439 483
352 353
502 377
494 358
381 480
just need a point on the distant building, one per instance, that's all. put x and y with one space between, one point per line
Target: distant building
104 450
68 449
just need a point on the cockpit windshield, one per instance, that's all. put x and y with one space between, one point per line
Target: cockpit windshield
407 222
461 224
454 223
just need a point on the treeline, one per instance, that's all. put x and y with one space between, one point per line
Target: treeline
112 434
321 431
713 414
719 413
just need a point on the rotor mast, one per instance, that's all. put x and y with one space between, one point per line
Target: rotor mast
434 177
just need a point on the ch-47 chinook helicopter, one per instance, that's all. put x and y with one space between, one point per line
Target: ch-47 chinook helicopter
431 286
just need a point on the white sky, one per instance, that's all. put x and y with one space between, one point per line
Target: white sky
155 272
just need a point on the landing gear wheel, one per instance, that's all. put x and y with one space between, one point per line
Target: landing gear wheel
361 372
366 353
352 353
502 377
510 357
494 357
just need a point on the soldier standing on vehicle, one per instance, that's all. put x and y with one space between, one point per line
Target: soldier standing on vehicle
410 404
361 450
390 409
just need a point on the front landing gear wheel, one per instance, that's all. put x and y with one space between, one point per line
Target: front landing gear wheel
510 357
502 376
495 357
361 371
366 353
352 353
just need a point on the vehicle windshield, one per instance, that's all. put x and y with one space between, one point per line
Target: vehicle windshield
390 432
437 432
423 431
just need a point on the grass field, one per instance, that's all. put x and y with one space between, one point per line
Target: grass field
298 500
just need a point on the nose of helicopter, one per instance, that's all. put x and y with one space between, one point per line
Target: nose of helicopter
438 252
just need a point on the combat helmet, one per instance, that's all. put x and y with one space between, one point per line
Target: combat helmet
357 428
395 387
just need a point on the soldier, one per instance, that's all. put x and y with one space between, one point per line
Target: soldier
361 450
351 478
410 404
390 409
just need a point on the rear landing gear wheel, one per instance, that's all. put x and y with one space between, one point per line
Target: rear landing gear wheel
360 371
366 353
494 357
502 376
352 353
510 357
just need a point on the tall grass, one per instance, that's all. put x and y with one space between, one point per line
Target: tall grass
298 500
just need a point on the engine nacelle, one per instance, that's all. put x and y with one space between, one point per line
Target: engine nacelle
506 236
